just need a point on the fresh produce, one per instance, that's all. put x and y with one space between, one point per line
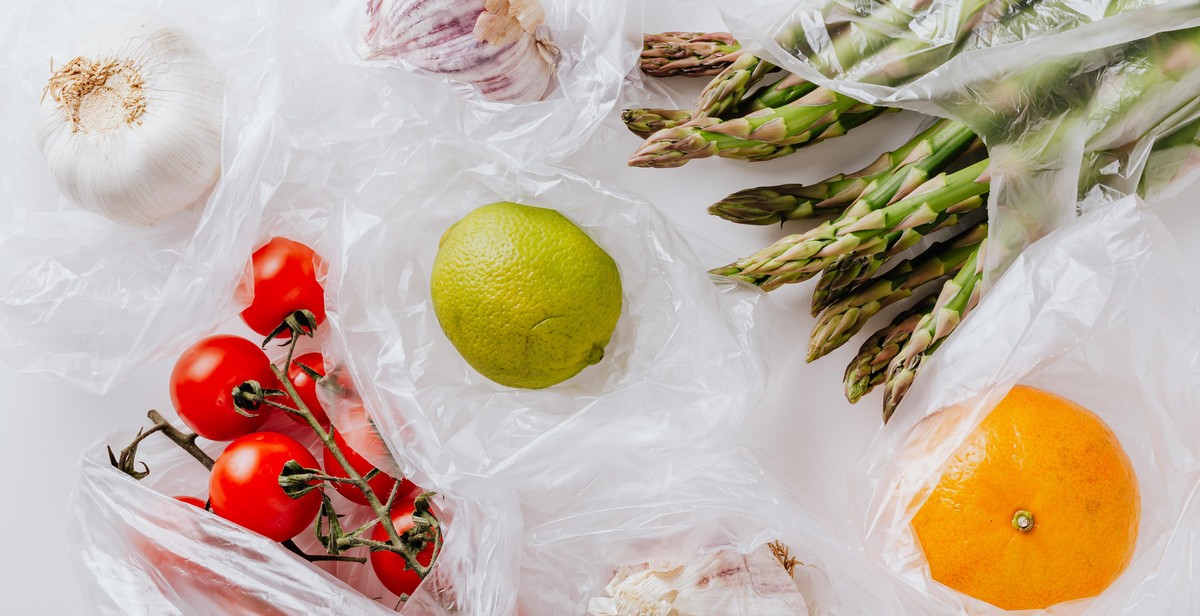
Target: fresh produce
690 54
501 46
400 572
799 257
380 482
776 204
524 295
869 367
132 130
304 373
270 483
646 122
723 583
244 487
203 382
1045 493
958 297
847 316
284 282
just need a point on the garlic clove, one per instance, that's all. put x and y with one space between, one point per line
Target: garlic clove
132 130
725 584
501 46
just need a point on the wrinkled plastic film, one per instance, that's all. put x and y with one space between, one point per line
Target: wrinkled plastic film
89 300
1067 95
684 509
1100 313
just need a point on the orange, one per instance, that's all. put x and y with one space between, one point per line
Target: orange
1039 505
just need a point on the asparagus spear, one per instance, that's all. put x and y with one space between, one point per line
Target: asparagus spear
841 275
724 93
868 368
771 204
799 257
846 317
958 296
690 54
646 122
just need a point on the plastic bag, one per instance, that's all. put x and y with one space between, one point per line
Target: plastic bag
1067 95
140 551
681 508
398 186
90 300
1100 313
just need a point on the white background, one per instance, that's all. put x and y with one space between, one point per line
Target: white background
804 428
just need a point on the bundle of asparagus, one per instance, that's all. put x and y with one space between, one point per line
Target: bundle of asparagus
926 185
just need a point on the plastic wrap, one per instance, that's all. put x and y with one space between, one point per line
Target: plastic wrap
140 551
1100 313
90 300
1066 95
681 508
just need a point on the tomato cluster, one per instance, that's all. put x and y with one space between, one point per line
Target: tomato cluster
210 385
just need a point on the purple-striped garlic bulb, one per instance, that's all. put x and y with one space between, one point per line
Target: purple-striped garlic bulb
501 46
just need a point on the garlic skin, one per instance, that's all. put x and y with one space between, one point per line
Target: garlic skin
501 46
133 131
721 584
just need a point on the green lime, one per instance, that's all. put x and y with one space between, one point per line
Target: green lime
527 298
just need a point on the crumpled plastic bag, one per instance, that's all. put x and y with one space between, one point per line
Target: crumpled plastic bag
1101 313
1067 95
90 301
680 508
140 551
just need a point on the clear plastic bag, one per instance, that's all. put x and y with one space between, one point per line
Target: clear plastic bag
681 508
90 300
1100 313
140 551
1068 96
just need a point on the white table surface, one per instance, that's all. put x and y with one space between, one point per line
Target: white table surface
803 427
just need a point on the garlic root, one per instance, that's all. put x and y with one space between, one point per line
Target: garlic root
133 132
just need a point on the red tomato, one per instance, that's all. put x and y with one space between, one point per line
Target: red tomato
381 484
203 381
285 280
191 500
389 566
244 486
306 386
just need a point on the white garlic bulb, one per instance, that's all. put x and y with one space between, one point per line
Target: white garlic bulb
132 131
721 584
501 46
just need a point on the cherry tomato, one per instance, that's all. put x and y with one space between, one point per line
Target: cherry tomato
203 381
306 386
381 484
389 566
285 280
244 486
191 500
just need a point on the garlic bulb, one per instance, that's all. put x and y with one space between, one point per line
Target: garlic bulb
501 46
133 131
721 584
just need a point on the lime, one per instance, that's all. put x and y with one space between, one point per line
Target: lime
527 298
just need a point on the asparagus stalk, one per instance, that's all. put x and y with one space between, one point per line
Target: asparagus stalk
869 367
689 54
958 296
646 122
771 204
846 317
725 92
799 257
841 276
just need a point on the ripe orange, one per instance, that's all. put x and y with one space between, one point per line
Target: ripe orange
1039 505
